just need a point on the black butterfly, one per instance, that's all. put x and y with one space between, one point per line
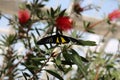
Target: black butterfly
56 39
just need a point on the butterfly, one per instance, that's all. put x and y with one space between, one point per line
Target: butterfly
56 39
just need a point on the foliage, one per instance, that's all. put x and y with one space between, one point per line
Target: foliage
34 61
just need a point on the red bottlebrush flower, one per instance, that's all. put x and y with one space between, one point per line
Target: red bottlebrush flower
23 16
114 15
64 23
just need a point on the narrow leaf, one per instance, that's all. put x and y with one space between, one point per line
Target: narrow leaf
87 43
82 42
52 13
37 31
54 73
83 59
38 58
77 59
67 62
24 76
62 13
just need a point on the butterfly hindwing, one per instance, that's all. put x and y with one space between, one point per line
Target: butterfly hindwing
64 39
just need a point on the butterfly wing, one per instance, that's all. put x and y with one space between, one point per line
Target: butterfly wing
56 39
63 39
47 40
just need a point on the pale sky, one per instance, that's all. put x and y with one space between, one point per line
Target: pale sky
107 6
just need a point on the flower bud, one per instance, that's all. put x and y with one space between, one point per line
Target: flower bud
23 16
56 51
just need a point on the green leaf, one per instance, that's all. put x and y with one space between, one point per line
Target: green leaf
54 73
74 33
41 5
58 63
86 43
67 62
114 78
25 44
58 60
68 69
66 55
47 76
76 55
32 67
28 6
61 68
58 9
90 31
52 12
108 21
109 66
86 24
34 37
77 60
82 42
48 12
36 1
46 0
25 75
62 13
35 41
37 31
84 59
8 40
38 58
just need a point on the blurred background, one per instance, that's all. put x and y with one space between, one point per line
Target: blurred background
112 45
11 7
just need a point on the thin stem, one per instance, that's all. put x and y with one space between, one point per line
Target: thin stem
97 72
105 35
5 17
93 25
42 67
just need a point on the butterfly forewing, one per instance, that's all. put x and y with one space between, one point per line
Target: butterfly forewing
47 40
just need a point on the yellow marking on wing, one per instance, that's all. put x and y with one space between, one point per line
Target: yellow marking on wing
63 40
57 41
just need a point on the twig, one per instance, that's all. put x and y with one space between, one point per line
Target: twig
44 64
42 67
93 25
97 72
